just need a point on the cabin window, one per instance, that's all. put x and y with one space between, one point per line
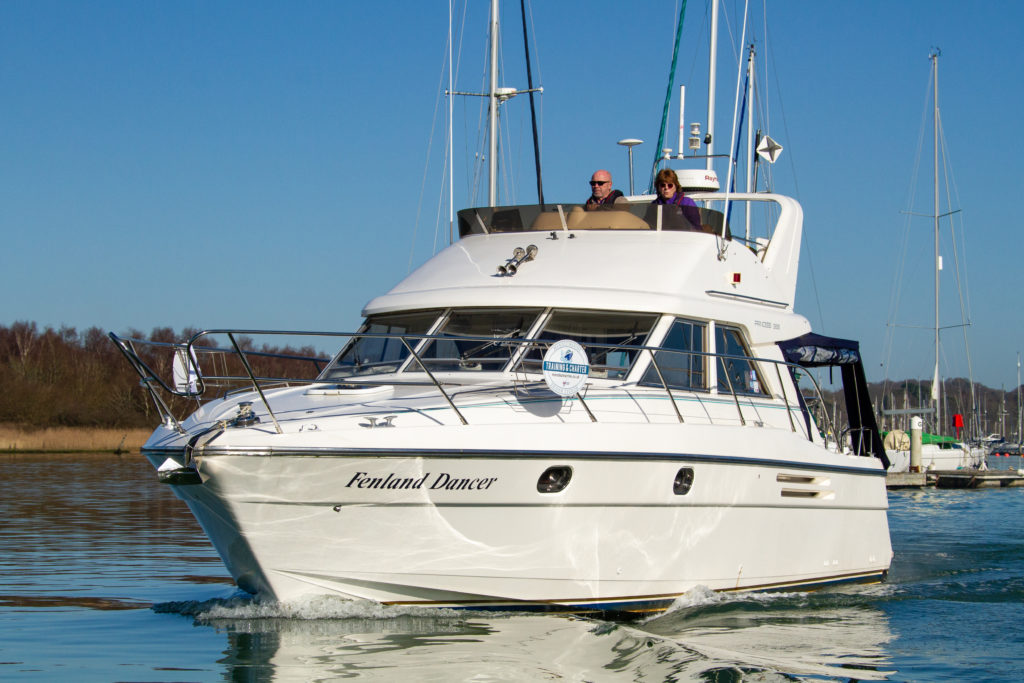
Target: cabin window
681 361
463 347
602 333
377 355
735 366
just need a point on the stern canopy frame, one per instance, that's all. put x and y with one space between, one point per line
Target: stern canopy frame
816 351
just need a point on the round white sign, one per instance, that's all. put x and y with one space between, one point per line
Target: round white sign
566 367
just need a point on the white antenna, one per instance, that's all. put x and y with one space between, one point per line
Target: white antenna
492 192
749 161
711 83
630 143
732 144
682 126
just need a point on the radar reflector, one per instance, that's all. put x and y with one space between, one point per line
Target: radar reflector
768 149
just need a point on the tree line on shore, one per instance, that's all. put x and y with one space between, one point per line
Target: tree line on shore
62 377
65 378
982 410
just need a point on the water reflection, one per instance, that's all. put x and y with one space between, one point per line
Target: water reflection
707 637
97 531
830 633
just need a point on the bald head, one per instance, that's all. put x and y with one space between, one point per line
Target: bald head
601 184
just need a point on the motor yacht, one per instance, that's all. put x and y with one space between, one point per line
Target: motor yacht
564 410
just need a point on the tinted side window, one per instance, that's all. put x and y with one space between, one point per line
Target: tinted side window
681 362
739 371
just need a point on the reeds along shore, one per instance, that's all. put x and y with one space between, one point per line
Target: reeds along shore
72 439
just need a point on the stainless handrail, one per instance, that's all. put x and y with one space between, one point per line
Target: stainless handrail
785 399
146 379
732 390
671 398
153 382
255 384
433 379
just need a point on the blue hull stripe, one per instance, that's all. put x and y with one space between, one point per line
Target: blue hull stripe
535 455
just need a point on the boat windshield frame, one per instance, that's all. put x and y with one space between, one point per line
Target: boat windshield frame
754 218
623 215
199 348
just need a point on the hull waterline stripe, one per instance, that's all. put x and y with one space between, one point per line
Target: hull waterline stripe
521 455
680 504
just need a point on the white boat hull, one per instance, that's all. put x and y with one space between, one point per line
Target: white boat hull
469 528
933 457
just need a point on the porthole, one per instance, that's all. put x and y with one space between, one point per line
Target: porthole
684 480
554 479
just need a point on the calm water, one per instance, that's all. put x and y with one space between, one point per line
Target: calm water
104 576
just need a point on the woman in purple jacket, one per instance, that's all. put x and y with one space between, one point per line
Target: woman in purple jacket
671 195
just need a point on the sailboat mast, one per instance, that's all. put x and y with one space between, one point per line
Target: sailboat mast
492 192
936 381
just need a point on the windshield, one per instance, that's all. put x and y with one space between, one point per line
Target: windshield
619 216
487 339
462 347
376 355
605 330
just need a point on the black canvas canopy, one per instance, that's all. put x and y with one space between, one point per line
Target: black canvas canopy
815 351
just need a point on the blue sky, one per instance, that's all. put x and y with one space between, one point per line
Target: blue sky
276 165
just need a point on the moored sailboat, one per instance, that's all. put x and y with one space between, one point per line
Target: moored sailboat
938 452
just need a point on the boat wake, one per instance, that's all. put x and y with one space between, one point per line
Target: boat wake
320 607
702 600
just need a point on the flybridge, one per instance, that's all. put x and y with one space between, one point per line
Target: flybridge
768 218
623 215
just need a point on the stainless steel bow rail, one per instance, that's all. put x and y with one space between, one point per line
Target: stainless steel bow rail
203 361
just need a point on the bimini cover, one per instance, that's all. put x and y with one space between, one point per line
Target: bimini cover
815 350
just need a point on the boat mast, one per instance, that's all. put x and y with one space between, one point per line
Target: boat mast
492 192
936 382
495 96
